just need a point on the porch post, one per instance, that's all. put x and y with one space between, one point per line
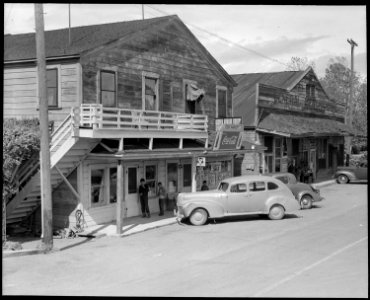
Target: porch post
193 174
119 191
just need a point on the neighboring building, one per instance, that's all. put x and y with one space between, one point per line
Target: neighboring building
144 93
291 114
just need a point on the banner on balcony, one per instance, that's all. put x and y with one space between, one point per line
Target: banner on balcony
194 93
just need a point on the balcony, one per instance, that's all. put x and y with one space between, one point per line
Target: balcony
96 121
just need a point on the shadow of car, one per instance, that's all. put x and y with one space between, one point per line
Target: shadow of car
237 196
348 174
305 193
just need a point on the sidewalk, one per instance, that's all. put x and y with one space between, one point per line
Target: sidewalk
132 225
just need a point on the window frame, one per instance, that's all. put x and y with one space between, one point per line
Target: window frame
222 88
101 86
156 77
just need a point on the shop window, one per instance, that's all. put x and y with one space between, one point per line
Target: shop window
151 179
186 175
221 100
150 91
268 142
132 180
112 185
52 87
257 186
268 163
97 186
108 88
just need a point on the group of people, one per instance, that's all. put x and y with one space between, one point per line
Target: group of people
162 197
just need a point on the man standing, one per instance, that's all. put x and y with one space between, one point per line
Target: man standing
143 193
162 198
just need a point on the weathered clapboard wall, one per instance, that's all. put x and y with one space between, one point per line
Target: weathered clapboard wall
167 52
21 94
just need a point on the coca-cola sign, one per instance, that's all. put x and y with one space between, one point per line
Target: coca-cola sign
228 140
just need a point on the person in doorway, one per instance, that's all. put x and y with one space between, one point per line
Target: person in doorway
162 194
143 193
204 186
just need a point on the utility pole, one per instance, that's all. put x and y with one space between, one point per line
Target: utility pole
350 104
69 24
46 201
142 10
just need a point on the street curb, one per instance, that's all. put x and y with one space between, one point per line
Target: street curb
24 252
324 183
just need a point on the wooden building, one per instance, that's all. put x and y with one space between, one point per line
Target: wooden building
293 117
139 95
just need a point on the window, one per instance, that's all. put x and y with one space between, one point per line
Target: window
186 175
268 142
52 87
283 179
257 186
97 186
272 186
151 179
108 88
150 92
310 91
238 188
223 186
221 109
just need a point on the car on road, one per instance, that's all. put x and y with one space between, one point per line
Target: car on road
305 193
242 195
346 174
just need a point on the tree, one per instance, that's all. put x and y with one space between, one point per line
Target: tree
299 64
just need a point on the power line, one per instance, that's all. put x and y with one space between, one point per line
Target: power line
224 39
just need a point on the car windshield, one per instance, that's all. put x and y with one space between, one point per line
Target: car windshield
223 186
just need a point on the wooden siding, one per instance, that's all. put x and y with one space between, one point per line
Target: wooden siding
21 95
169 53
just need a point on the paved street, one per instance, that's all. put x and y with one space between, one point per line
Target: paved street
322 252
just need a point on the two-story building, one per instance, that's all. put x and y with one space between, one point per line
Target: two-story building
293 117
142 95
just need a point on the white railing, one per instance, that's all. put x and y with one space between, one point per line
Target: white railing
98 117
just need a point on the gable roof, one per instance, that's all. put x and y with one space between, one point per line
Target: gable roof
85 38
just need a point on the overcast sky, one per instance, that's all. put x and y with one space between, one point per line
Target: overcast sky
262 38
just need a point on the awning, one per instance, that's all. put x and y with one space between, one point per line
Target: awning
194 93
302 126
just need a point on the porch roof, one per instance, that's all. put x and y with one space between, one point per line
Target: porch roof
301 126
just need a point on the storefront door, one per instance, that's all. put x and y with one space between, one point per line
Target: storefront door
131 191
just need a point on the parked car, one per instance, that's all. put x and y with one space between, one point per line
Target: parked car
305 193
243 195
351 173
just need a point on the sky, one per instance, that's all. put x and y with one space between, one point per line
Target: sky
242 38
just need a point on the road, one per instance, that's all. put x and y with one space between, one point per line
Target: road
322 252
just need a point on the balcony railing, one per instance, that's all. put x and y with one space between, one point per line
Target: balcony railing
96 116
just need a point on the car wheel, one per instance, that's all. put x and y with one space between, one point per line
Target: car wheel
342 179
276 212
306 202
198 217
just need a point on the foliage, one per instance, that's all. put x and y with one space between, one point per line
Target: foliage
299 64
21 139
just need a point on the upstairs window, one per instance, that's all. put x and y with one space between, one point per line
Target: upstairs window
52 87
150 91
221 105
310 91
108 88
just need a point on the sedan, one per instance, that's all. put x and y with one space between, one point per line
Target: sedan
305 193
351 173
243 195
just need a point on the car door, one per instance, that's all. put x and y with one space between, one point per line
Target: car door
238 196
361 173
258 195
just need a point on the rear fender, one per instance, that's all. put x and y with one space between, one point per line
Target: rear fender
349 174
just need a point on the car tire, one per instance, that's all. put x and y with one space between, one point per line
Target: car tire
306 202
276 212
342 179
198 217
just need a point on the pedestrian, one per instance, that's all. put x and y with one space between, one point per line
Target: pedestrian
204 186
162 194
143 193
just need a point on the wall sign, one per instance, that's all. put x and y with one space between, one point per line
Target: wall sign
228 140
201 162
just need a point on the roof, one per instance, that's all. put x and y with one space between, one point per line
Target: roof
294 125
250 177
84 38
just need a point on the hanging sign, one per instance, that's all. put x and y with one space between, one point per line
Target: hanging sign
201 162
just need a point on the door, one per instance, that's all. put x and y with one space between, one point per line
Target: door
238 197
258 195
361 172
131 191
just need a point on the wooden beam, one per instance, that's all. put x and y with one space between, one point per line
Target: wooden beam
106 147
68 183
119 190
